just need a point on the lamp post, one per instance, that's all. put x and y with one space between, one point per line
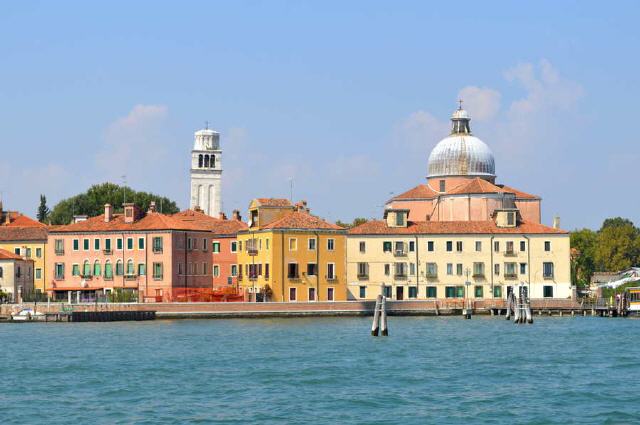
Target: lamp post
466 311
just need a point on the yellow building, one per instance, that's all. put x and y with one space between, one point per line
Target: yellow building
287 254
27 238
403 259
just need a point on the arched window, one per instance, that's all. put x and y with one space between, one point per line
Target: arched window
96 268
206 161
119 268
213 161
200 161
86 268
108 270
130 268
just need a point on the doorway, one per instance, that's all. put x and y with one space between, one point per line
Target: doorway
399 293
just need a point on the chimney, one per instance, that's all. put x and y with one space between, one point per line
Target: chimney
108 213
556 222
152 207
236 215
222 216
130 212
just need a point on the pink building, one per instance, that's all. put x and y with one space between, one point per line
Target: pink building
135 256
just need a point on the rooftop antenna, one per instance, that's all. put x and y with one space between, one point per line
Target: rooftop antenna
206 125
124 189
291 189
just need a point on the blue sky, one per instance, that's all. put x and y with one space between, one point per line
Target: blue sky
346 98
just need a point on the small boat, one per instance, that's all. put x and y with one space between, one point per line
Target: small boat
26 314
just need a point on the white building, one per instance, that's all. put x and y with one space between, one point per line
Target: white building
206 172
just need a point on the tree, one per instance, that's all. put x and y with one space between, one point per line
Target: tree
92 202
356 222
43 210
618 245
583 244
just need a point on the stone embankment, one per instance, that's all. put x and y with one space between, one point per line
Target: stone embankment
299 309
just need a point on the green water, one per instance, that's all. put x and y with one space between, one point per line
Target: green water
322 371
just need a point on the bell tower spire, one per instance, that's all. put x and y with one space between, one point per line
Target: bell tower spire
206 172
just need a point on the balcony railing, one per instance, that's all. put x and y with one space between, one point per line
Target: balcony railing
510 276
252 251
86 276
60 251
334 277
130 276
478 275
107 251
400 253
548 276
510 253
432 275
157 250
363 276
400 275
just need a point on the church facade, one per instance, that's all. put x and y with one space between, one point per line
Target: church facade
459 235
206 173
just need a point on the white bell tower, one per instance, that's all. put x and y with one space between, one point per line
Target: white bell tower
206 172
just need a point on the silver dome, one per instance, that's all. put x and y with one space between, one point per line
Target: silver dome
461 154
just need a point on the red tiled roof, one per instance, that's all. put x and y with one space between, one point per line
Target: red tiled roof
17 219
150 221
301 220
519 194
217 226
422 191
476 185
379 227
274 202
15 233
7 255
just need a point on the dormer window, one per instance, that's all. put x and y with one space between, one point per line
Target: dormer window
400 219
442 185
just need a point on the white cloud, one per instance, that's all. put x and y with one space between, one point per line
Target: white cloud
420 130
482 103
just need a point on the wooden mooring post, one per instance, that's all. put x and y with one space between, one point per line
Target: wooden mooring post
379 324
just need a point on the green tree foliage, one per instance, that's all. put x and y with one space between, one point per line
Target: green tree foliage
356 222
583 244
92 202
43 209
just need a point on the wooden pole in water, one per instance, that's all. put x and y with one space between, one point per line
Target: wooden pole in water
383 317
375 327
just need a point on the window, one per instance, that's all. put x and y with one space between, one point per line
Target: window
523 246
449 269
450 292
38 252
266 244
430 246
239 245
442 185
478 269
363 247
363 292
59 270
496 269
496 246
97 268
497 291
142 269
547 270
449 246
75 270
293 244
363 270
85 244
59 247
119 244
157 244
312 269
38 273
216 270
140 243
28 255
479 291
412 246
386 246
108 271
459 269
266 270
312 294
511 218
331 271
432 292
107 245
459 291
432 270
215 247
412 269
401 270
509 247
292 294
1 272
459 246
547 246
312 244
234 246
523 268
129 243
157 270
181 268
547 291
478 246
413 292
234 270
292 271
96 244
387 269
119 268
387 291
130 268
76 244
399 219
510 270
330 294
331 244
16 251
189 244
400 248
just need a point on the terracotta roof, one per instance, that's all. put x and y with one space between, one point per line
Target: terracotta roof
7 255
519 194
422 191
217 226
301 220
379 227
150 221
17 219
15 233
476 185
274 202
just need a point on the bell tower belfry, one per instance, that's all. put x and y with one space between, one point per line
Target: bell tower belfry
206 172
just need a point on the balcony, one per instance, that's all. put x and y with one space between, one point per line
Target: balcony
157 250
400 253
59 251
363 276
432 275
478 275
252 251
130 276
510 253
547 276
86 276
331 278
400 276
510 276
107 251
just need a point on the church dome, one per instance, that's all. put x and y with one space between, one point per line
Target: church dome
460 153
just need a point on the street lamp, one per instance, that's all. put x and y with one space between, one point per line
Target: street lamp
466 311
